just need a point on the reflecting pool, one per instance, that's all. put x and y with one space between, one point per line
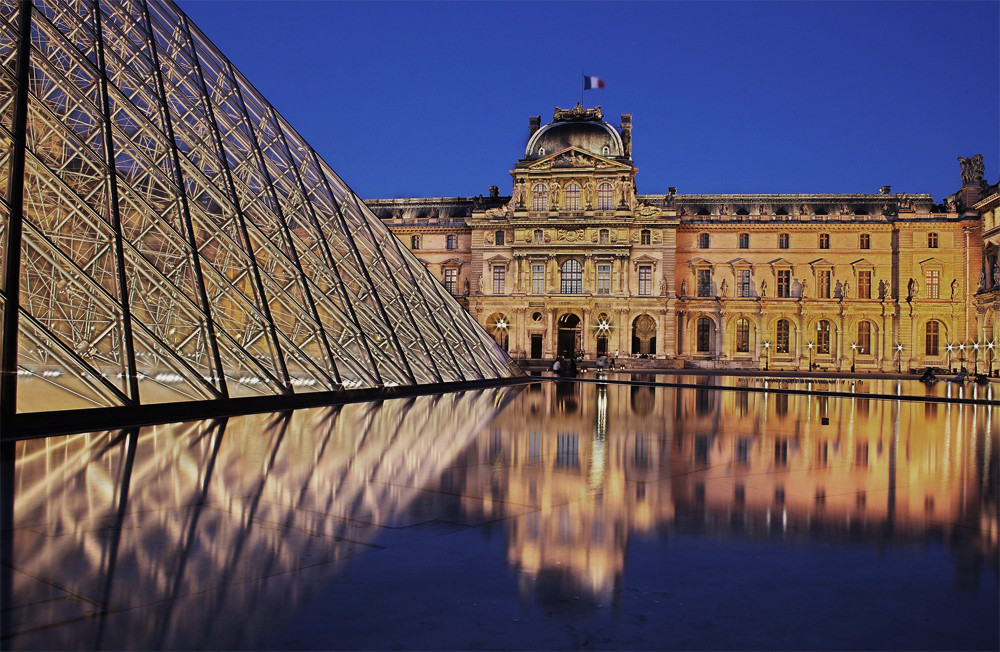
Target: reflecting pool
549 516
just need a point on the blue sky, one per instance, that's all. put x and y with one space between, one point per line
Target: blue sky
422 99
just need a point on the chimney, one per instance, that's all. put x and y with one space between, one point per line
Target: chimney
534 124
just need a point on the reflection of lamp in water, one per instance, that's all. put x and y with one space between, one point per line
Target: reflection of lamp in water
899 358
767 354
854 350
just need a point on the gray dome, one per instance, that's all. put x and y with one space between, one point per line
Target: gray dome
582 128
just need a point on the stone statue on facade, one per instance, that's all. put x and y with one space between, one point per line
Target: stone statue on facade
972 169
684 288
912 288
996 274
982 280
882 287
847 289
803 292
954 288
588 193
763 288
723 288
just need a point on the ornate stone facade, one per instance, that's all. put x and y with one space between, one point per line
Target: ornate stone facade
575 262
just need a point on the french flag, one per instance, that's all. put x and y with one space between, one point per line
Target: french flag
590 82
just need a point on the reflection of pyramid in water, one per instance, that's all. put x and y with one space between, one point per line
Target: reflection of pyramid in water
175 239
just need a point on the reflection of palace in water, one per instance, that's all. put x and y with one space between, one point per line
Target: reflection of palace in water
158 534
603 463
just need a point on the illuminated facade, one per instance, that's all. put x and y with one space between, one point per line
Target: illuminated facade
575 261
167 237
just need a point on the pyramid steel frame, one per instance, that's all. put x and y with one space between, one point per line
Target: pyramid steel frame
172 247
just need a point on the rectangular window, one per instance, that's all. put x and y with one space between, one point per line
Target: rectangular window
604 279
499 278
864 337
824 240
451 281
865 241
539 236
645 280
499 238
414 242
865 284
703 241
784 283
932 240
824 284
704 282
823 337
744 241
605 236
782 241
644 237
452 242
537 278
933 284
743 282
781 343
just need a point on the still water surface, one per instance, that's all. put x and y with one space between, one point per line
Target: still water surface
552 516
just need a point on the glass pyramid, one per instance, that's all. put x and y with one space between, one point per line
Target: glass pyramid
166 236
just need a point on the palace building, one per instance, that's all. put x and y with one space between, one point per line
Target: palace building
575 262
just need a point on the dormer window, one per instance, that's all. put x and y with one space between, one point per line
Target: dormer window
605 150
541 151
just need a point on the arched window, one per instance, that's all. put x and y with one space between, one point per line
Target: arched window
571 279
781 336
644 237
572 197
933 334
704 334
605 197
540 197
538 237
742 335
605 236
864 337
823 337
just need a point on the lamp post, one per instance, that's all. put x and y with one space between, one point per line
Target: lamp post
961 355
767 355
810 346
899 358
989 348
854 350
975 357
949 348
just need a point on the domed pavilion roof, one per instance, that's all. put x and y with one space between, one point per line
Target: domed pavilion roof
579 127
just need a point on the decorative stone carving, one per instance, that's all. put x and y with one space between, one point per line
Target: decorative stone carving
577 113
972 169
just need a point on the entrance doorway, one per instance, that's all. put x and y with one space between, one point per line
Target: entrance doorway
569 336
536 346
602 345
644 335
